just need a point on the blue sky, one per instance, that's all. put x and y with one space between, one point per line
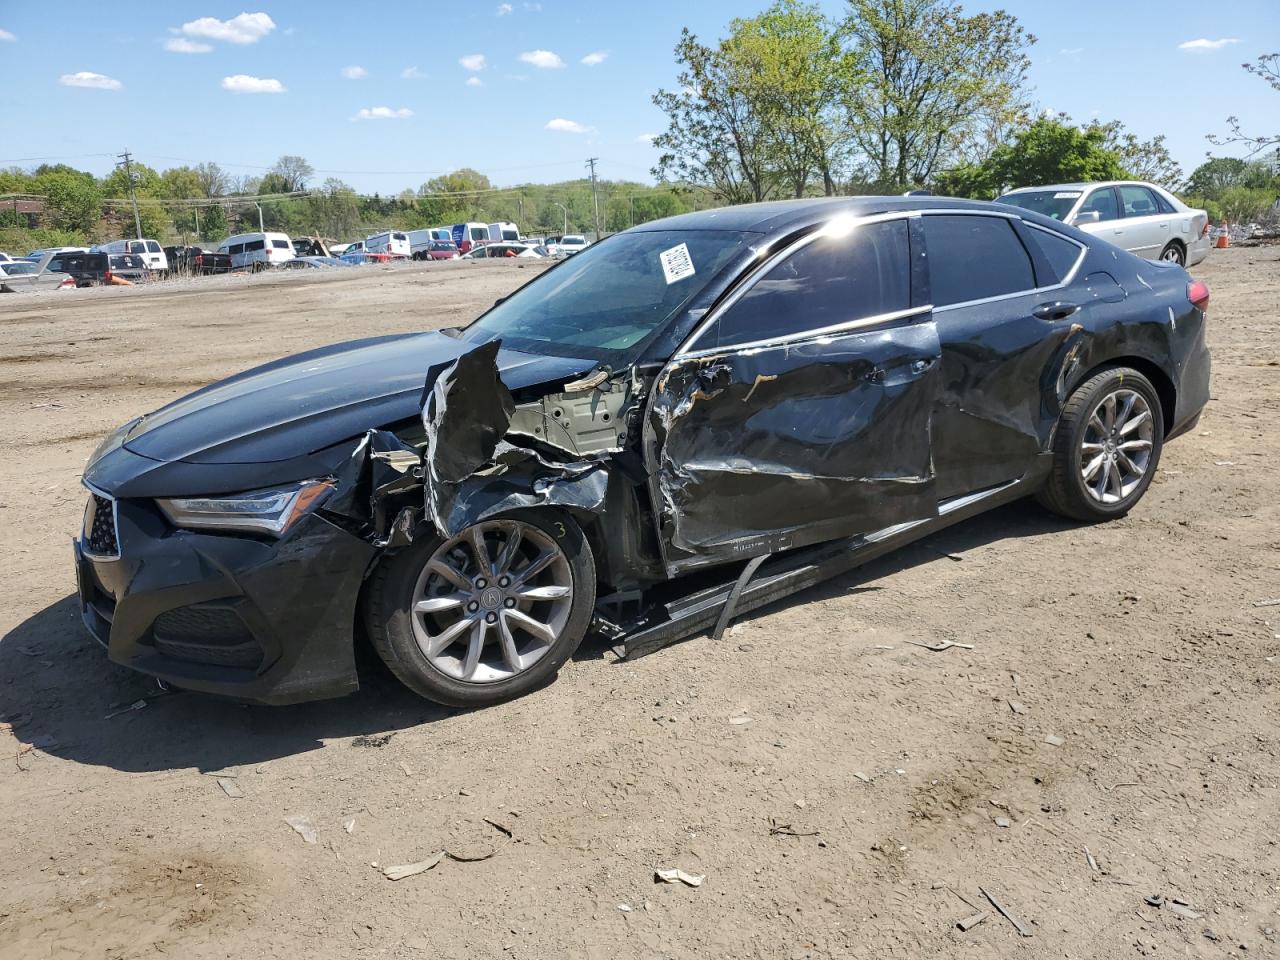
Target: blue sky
530 109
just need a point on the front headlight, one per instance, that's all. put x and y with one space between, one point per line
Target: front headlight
268 511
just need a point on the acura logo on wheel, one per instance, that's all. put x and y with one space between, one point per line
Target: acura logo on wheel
491 598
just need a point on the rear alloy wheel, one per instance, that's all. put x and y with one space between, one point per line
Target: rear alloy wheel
1107 447
1174 253
486 615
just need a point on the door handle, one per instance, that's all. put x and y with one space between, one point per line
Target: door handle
1058 310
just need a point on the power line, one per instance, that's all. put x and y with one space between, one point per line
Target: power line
595 199
128 173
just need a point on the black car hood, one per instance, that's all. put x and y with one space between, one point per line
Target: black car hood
304 403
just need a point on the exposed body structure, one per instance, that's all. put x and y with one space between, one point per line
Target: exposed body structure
694 417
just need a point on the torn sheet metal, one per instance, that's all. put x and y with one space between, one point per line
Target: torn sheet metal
779 447
472 473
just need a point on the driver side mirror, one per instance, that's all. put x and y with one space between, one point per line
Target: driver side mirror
1086 216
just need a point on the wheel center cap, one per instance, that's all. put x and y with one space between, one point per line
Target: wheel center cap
491 598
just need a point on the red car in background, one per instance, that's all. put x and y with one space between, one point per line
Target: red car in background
442 250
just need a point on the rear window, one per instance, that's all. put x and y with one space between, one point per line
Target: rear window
441 245
153 246
1051 203
479 233
280 244
975 257
398 236
1061 253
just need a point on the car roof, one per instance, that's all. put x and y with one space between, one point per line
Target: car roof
786 215
1083 186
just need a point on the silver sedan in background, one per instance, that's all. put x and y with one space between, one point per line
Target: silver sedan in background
19 276
1142 218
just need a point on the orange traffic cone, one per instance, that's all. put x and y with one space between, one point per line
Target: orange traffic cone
1224 238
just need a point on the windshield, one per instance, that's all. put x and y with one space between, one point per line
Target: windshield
604 302
1052 203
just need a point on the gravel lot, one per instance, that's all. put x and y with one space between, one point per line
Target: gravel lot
1140 648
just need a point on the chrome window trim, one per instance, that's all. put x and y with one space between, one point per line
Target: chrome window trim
811 334
767 264
115 525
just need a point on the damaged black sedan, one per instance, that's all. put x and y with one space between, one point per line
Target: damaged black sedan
683 422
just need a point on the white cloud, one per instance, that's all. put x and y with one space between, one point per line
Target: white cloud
1201 45
504 9
355 72
93 81
241 83
411 73
6 35
474 82
595 59
1071 51
646 138
383 113
183 45
542 58
567 126
473 62
242 29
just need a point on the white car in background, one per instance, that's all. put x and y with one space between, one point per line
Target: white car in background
1142 218
152 254
572 243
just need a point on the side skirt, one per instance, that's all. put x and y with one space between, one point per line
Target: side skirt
780 577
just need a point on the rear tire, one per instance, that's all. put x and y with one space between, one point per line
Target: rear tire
473 636
1107 447
1174 253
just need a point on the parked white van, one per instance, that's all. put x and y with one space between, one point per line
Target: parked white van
257 251
393 242
150 251
467 235
504 233
420 240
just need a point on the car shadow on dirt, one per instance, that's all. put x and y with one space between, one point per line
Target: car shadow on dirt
66 699
58 689
1022 518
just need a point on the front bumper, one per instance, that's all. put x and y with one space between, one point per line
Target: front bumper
253 618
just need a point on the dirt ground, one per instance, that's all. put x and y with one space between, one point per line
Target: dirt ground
859 813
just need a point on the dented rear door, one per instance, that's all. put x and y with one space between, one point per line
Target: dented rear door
800 412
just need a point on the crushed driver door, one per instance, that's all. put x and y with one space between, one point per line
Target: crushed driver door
812 421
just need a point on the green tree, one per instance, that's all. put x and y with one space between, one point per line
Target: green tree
74 197
1148 160
214 181
1048 151
1245 204
715 137
1214 176
213 224
933 82
792 70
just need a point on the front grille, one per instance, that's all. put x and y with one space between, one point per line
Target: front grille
213 635
100 526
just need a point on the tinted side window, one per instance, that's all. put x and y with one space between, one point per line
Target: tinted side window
153 247
972 258
1103 201
830 281
1061 253
1138 202
1162 204
236 248
255 245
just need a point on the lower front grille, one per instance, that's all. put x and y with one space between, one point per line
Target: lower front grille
100 526
213 635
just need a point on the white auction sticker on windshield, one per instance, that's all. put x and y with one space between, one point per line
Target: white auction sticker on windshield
676 263
1066 195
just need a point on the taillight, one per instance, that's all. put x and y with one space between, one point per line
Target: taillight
67 283
106 277
199 259
1204 231
1198 294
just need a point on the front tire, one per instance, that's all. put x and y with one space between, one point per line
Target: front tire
488 615
1107 447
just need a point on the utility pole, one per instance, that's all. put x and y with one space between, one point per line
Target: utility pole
126 162
261 228
566 217
595 200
